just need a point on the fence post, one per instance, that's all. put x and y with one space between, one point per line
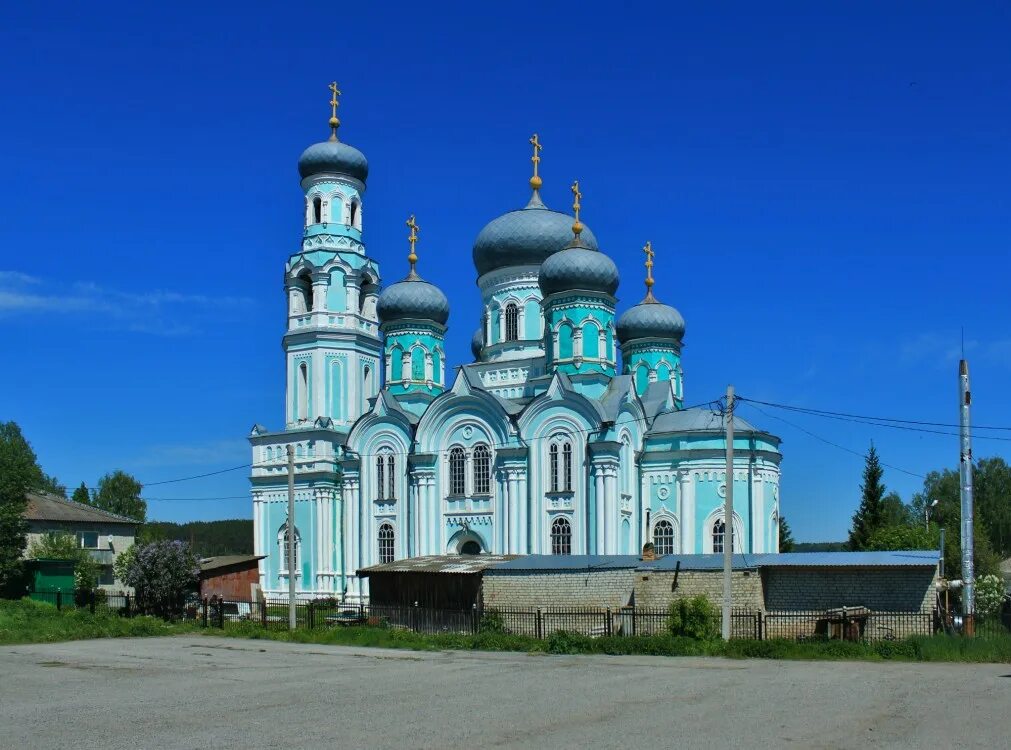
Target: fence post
91 601
608 625
633 618
414 617
263 613
311 614
204 618
127 606
539 628
475 620
59 600
845 625
761 635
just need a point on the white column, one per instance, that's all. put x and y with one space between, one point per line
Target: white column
688 513
523 534
611 509
598 476
319 295
515 509
757 514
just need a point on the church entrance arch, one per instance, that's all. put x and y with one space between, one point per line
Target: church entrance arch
466 542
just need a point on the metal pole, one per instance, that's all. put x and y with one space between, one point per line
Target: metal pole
728 519
965 483
290 537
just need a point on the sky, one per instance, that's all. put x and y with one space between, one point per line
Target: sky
826 186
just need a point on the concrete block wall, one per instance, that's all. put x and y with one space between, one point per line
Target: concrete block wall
654 589
528 590
878 589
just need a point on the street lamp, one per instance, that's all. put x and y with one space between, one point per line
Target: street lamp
926 513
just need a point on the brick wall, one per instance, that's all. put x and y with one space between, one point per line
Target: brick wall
654 589
879 589
598 588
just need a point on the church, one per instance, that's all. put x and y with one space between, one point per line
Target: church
566 435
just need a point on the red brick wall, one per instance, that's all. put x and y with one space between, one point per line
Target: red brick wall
230 583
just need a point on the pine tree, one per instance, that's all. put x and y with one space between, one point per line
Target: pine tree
869 515
81 495
786 541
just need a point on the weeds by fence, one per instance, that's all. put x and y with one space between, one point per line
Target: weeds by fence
540 623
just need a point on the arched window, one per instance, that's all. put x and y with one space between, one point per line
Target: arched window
283 542
303 391
317 210
512 322
380 477
719 534
553 469
353 218
391 477
663 537
387 543
457 471
482 470
567 466
561 537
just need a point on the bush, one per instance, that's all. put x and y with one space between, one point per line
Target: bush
990 596
491 622
565 642
162 573
695 618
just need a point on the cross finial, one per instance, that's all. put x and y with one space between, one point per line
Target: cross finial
535 181
648 249
334 122
413 239
577 227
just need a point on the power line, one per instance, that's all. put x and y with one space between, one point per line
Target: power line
870 419
828 442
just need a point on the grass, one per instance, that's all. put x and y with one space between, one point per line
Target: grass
26 621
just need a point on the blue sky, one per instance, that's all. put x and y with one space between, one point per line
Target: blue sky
826 186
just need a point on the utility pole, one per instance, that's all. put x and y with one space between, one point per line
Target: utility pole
728 519
965 486
289 533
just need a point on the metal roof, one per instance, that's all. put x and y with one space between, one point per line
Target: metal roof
697 562
46 507
226 561
465 564
548 563
895 559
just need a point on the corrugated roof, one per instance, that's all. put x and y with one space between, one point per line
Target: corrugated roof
897 559
45 507
698 562
226 561
531 563
465 564
697 419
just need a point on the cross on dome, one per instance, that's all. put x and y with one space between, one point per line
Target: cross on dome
535 181
648 249
413 239
334 122
577 227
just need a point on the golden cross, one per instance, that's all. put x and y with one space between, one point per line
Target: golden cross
535 181
648 249
577 227
334 122
412 238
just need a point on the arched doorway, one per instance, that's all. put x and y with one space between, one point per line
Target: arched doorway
470 547
466 542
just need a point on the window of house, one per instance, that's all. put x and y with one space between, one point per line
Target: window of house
512 318
561 537
387 543
87 539
482 470
663 537
457 471
106 576
719 534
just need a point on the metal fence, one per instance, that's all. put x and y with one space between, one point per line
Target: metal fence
541 622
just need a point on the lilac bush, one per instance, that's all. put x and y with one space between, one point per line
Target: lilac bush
162 573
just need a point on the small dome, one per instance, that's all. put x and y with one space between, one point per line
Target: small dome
477 343
526 236
650 320
578 267
333 157
413 299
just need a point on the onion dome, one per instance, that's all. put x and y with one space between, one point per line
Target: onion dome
477 343
578 267
332 156
413 298
650 319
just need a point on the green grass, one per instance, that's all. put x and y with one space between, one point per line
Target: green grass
26 621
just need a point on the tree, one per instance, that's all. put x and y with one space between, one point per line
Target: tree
19 473
162 573
894 512
52 485
81 495
903 537
64 546
868 515
786 543
119 493
991 594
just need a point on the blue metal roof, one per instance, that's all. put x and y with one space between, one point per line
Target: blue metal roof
566 563
895 559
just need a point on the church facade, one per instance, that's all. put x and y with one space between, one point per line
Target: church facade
566 434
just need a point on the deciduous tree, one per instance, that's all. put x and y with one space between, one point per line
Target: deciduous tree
119 493
19 473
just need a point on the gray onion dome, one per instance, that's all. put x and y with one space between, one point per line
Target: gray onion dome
578 267
526 236
333 157
477 343
413 299
650 320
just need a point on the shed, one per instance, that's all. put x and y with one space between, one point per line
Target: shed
435 581
230 577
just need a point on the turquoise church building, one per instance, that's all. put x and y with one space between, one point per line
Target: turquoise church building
566 434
